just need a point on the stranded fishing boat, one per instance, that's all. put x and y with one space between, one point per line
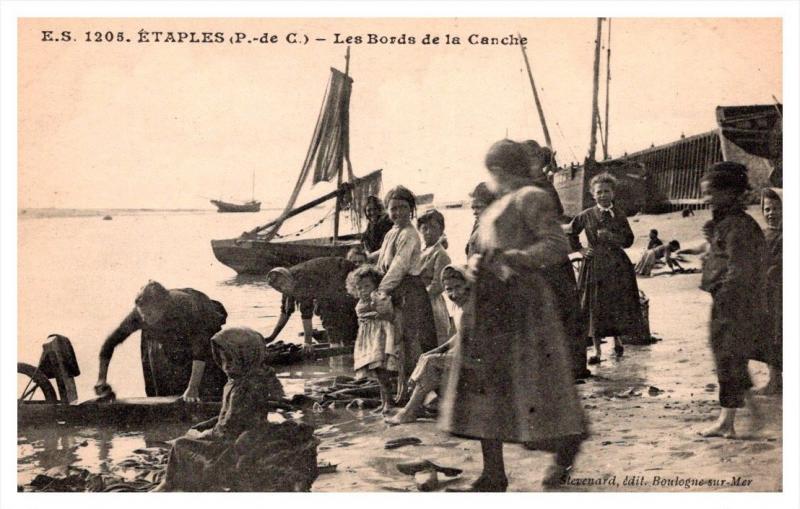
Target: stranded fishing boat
261 249
667 177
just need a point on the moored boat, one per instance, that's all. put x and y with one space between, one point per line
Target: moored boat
250 206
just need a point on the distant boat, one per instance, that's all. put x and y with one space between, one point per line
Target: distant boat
263 248
107 218
251 206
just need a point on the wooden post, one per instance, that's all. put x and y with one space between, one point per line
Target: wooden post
595 87
342 146
536 100
608 83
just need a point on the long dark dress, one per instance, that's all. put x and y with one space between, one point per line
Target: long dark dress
607 282
511 378
169 346
733 275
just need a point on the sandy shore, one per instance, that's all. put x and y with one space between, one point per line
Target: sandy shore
645 410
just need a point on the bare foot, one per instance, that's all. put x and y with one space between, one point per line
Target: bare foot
401 417
756 417
718 430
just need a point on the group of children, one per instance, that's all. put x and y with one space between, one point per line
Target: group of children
377 349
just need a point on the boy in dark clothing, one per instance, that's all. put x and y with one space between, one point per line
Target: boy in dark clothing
733 275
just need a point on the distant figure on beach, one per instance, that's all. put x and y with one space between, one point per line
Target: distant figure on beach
733 274
176 354
651 257
607 283
653 241
318 285
375 354
772 209
204 459
481 197
378 224
511 357
687 212
433 259
427 375
398 260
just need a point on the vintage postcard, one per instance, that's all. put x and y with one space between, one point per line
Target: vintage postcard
455 253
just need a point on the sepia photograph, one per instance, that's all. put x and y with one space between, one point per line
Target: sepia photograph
295 251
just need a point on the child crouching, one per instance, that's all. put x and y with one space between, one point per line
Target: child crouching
375 353
203 459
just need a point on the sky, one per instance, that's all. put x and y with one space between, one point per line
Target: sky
169 125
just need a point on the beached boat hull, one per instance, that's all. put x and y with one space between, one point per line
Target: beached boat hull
572 184
252 206
257 257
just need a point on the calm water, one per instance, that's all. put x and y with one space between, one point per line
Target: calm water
78 277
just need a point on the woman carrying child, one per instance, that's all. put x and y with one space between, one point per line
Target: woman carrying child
202 460
375 352
432 261
606 283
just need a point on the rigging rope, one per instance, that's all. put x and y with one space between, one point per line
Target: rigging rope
308 228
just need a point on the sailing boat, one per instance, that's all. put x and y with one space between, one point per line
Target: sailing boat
263 248
251 206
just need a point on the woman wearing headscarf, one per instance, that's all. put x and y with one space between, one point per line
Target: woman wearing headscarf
398 259
202 460
772 209
733 274
511 379
378 224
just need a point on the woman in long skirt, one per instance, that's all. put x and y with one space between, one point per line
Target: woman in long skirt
607 283
511 379
398 259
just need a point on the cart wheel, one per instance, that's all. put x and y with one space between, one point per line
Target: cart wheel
30 380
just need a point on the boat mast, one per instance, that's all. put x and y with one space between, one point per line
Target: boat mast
596 85
608 82
538 103
345 149
253 193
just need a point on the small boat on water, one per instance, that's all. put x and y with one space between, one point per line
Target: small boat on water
263 248
250 206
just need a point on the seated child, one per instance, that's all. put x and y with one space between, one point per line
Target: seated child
430 369
203 459
653 257
375 354
653 241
